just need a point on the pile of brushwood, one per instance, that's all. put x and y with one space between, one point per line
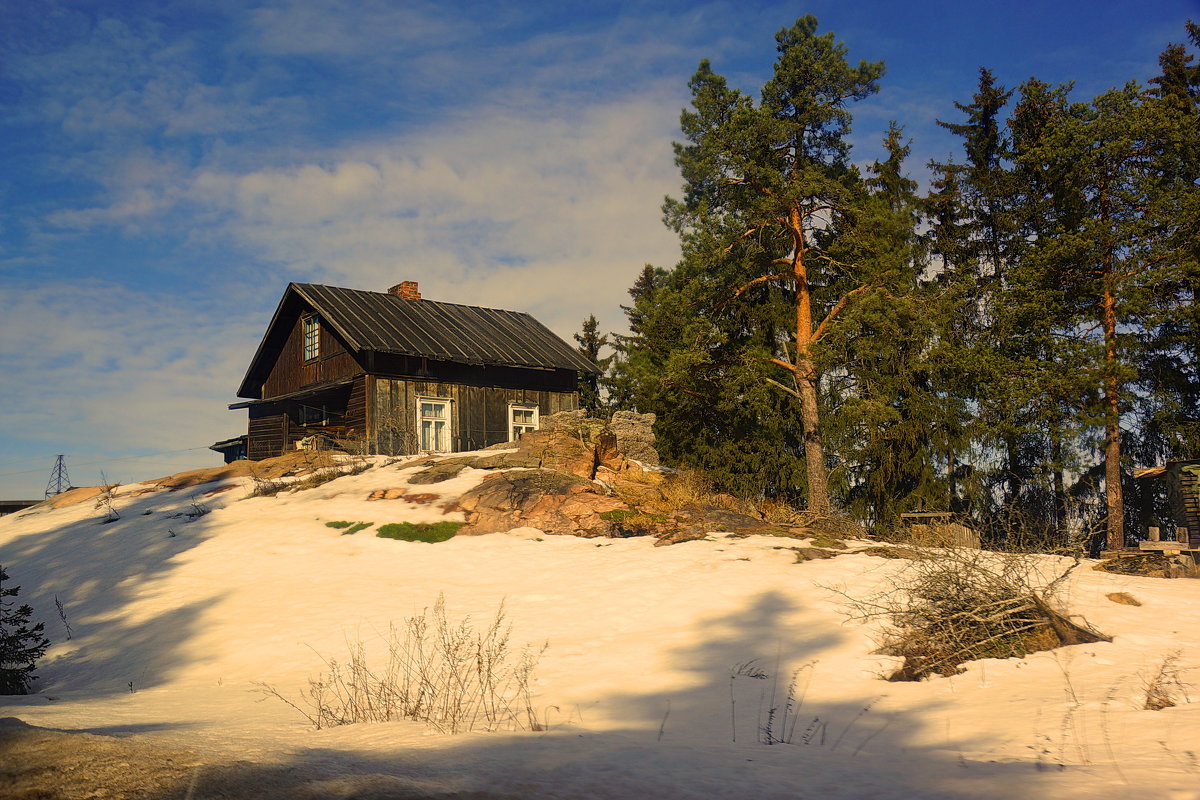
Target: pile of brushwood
951 606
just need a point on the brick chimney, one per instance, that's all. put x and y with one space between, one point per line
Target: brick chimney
406 290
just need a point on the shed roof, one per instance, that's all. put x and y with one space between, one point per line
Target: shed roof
387 323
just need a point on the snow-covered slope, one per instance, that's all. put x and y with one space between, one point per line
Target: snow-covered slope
636 688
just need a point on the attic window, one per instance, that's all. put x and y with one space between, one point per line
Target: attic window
312 338
521 419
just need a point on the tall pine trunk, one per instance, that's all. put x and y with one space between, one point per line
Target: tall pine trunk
807 382
1114 502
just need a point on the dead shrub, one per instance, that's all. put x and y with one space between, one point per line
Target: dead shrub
449 675
1165 686
1123 598
690 488
951 606
104 500
685 487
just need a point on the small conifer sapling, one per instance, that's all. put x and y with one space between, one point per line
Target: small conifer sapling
21 644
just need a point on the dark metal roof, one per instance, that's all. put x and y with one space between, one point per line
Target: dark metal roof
386 323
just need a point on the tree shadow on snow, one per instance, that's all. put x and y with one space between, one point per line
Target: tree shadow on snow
672 745
98 569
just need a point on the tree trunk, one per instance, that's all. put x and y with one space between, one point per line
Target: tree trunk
1060 486
806 376
1112 427
1112 409
814 447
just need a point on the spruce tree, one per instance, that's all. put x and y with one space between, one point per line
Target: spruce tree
1170 366
884 410
992 354
590 341
21 644
1053 384
626 380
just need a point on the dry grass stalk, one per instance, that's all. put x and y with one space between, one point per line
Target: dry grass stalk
1165 686
447 675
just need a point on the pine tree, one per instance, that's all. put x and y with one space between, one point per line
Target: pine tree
590 341
764 185
1115 265
21 644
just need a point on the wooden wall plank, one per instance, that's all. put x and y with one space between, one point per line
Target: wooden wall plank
290 372
479 415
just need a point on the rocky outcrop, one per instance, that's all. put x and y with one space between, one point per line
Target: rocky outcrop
635 436
554 502
573 470
583 477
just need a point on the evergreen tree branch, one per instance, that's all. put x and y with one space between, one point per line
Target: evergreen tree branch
763 279
787 389
837 309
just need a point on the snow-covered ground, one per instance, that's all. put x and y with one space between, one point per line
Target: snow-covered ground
175 620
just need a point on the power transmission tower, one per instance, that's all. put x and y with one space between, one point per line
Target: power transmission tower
59 480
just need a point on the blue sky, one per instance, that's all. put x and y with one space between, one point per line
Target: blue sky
167 168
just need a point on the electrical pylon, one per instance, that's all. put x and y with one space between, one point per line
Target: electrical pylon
59 480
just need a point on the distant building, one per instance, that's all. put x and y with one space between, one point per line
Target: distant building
13 506
389 372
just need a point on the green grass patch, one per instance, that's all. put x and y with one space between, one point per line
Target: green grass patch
419 531
348 528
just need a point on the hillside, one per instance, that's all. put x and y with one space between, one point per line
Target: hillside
199 593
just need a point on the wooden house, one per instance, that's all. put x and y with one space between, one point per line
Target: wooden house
389 372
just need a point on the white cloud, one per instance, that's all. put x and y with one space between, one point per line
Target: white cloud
550 211
118 369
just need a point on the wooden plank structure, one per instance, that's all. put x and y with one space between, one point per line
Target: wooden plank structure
1179 531
393 373
13 506
939 529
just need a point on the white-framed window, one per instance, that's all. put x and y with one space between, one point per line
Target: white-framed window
433 424
522 418
312 338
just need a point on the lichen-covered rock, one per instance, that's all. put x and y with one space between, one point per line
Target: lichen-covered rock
439 471
560 450
813 553
635 436
721 519
554 502
564 420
